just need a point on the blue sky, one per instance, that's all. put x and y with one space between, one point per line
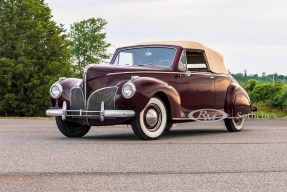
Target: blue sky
251 34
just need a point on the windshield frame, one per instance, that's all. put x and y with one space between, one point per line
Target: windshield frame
139 47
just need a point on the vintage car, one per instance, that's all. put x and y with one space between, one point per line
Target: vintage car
151 86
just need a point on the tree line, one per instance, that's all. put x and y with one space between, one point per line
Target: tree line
35 51
273 78
267 91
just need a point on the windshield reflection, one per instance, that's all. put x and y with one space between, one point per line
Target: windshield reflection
146 56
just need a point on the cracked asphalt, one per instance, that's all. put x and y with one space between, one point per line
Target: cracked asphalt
34 156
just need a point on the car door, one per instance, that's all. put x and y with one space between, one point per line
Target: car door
196 90
196 85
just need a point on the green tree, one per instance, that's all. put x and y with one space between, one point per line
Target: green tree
88 43
265 93
239 77
280 100
33 54
250 85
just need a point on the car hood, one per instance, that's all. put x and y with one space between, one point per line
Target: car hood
97 71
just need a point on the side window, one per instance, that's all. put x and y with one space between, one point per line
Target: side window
182 62
196 61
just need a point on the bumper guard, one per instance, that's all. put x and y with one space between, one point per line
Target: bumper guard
84 113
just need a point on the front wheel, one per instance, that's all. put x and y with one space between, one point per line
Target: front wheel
234 124
168 126
70 129
151 122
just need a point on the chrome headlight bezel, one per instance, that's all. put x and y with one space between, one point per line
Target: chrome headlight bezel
128 90
57 86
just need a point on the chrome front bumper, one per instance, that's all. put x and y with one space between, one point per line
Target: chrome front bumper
84 113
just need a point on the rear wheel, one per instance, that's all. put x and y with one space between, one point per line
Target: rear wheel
70 129
151 122
234 124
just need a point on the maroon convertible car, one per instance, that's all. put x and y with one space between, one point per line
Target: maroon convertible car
151 86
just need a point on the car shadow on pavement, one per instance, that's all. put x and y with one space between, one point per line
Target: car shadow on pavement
175 133
112 136
193 132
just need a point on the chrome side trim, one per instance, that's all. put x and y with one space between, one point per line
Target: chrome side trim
133 72
166 72
181 119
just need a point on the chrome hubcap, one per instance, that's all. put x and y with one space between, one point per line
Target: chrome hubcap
151 117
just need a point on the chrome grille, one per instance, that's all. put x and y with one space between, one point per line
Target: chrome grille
77 99
106 95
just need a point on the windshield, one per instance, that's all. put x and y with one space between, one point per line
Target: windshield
145 56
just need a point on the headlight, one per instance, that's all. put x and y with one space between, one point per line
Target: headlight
128 90
56 90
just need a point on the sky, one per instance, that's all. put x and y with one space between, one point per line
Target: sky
251 34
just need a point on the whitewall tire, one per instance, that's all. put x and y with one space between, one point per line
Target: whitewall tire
234 124
152 120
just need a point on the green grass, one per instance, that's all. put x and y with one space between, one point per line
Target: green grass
268 112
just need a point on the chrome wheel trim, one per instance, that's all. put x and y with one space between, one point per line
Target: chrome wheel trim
238 123
151 117
156 130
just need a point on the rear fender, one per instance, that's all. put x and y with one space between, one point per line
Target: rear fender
237 101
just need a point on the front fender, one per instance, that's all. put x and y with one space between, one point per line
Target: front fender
146 88
67 85
237 101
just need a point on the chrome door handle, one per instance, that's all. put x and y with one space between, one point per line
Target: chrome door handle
211 77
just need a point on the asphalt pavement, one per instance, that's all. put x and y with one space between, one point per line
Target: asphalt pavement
34 156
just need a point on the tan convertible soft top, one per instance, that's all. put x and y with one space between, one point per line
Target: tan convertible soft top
214 59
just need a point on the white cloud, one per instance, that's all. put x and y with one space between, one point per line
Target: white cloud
254 58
